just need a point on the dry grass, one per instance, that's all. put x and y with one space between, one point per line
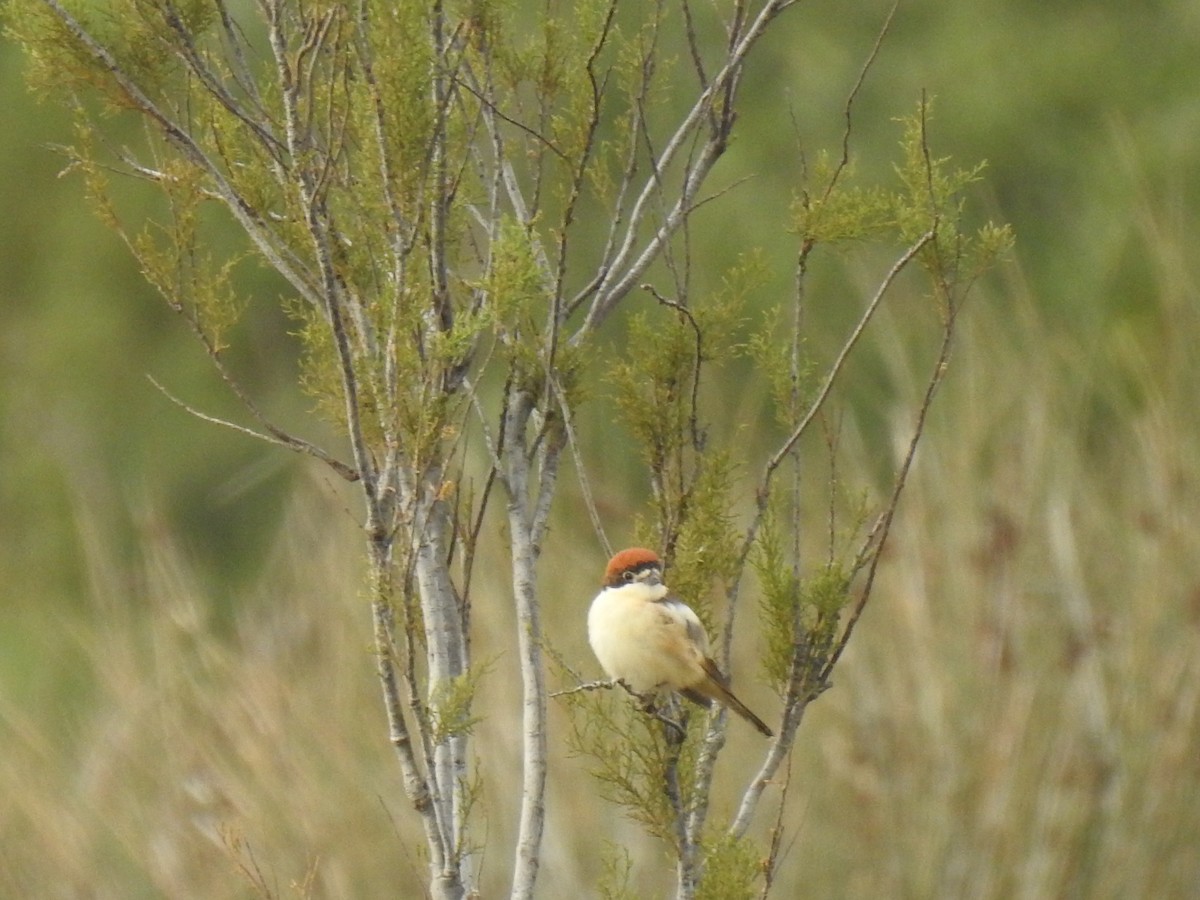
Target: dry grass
184 743
1020 714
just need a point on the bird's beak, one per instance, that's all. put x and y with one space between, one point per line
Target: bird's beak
653 577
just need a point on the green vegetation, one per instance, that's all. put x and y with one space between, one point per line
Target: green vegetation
186 694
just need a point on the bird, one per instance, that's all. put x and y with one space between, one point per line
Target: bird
652 641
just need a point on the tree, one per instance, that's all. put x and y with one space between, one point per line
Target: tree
427 177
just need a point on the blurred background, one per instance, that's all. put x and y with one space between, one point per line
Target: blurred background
187 706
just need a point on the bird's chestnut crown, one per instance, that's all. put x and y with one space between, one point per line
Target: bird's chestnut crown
626 565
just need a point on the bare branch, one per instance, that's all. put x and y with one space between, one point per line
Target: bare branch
186 50
628 265
873 546
694 405
585 488
272 436
416 785
275 251
235 40
587 687
854 91
774 855
549 458
529 637
495 110
838 364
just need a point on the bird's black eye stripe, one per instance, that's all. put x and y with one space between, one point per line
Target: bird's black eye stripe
638 572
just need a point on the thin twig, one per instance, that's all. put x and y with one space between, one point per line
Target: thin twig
628 265
276 437
774 856
495 110
588 686
854 91
843 355
686 314
281 258
880 532
585 487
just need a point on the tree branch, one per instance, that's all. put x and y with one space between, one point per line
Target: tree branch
626 268
838 364
272 436
277 254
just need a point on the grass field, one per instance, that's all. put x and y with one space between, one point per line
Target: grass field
1019 715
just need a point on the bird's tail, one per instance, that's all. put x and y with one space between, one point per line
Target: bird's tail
713 687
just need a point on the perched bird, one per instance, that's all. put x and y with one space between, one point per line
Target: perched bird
652 641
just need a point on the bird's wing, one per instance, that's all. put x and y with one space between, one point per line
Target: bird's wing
686 617
681 643
682 638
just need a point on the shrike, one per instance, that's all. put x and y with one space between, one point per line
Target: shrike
652 641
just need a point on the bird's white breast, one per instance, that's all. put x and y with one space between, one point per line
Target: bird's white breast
622 623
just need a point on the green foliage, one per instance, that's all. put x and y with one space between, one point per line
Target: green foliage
826 593
632 753
319 376
798 615
780 602
617 868
932 196
657 388
176 259
653 387
517 299
400 88
832 209
451 704
135 33
706 545
731 868
788 370
174 253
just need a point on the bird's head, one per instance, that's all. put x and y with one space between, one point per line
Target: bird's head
634 565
